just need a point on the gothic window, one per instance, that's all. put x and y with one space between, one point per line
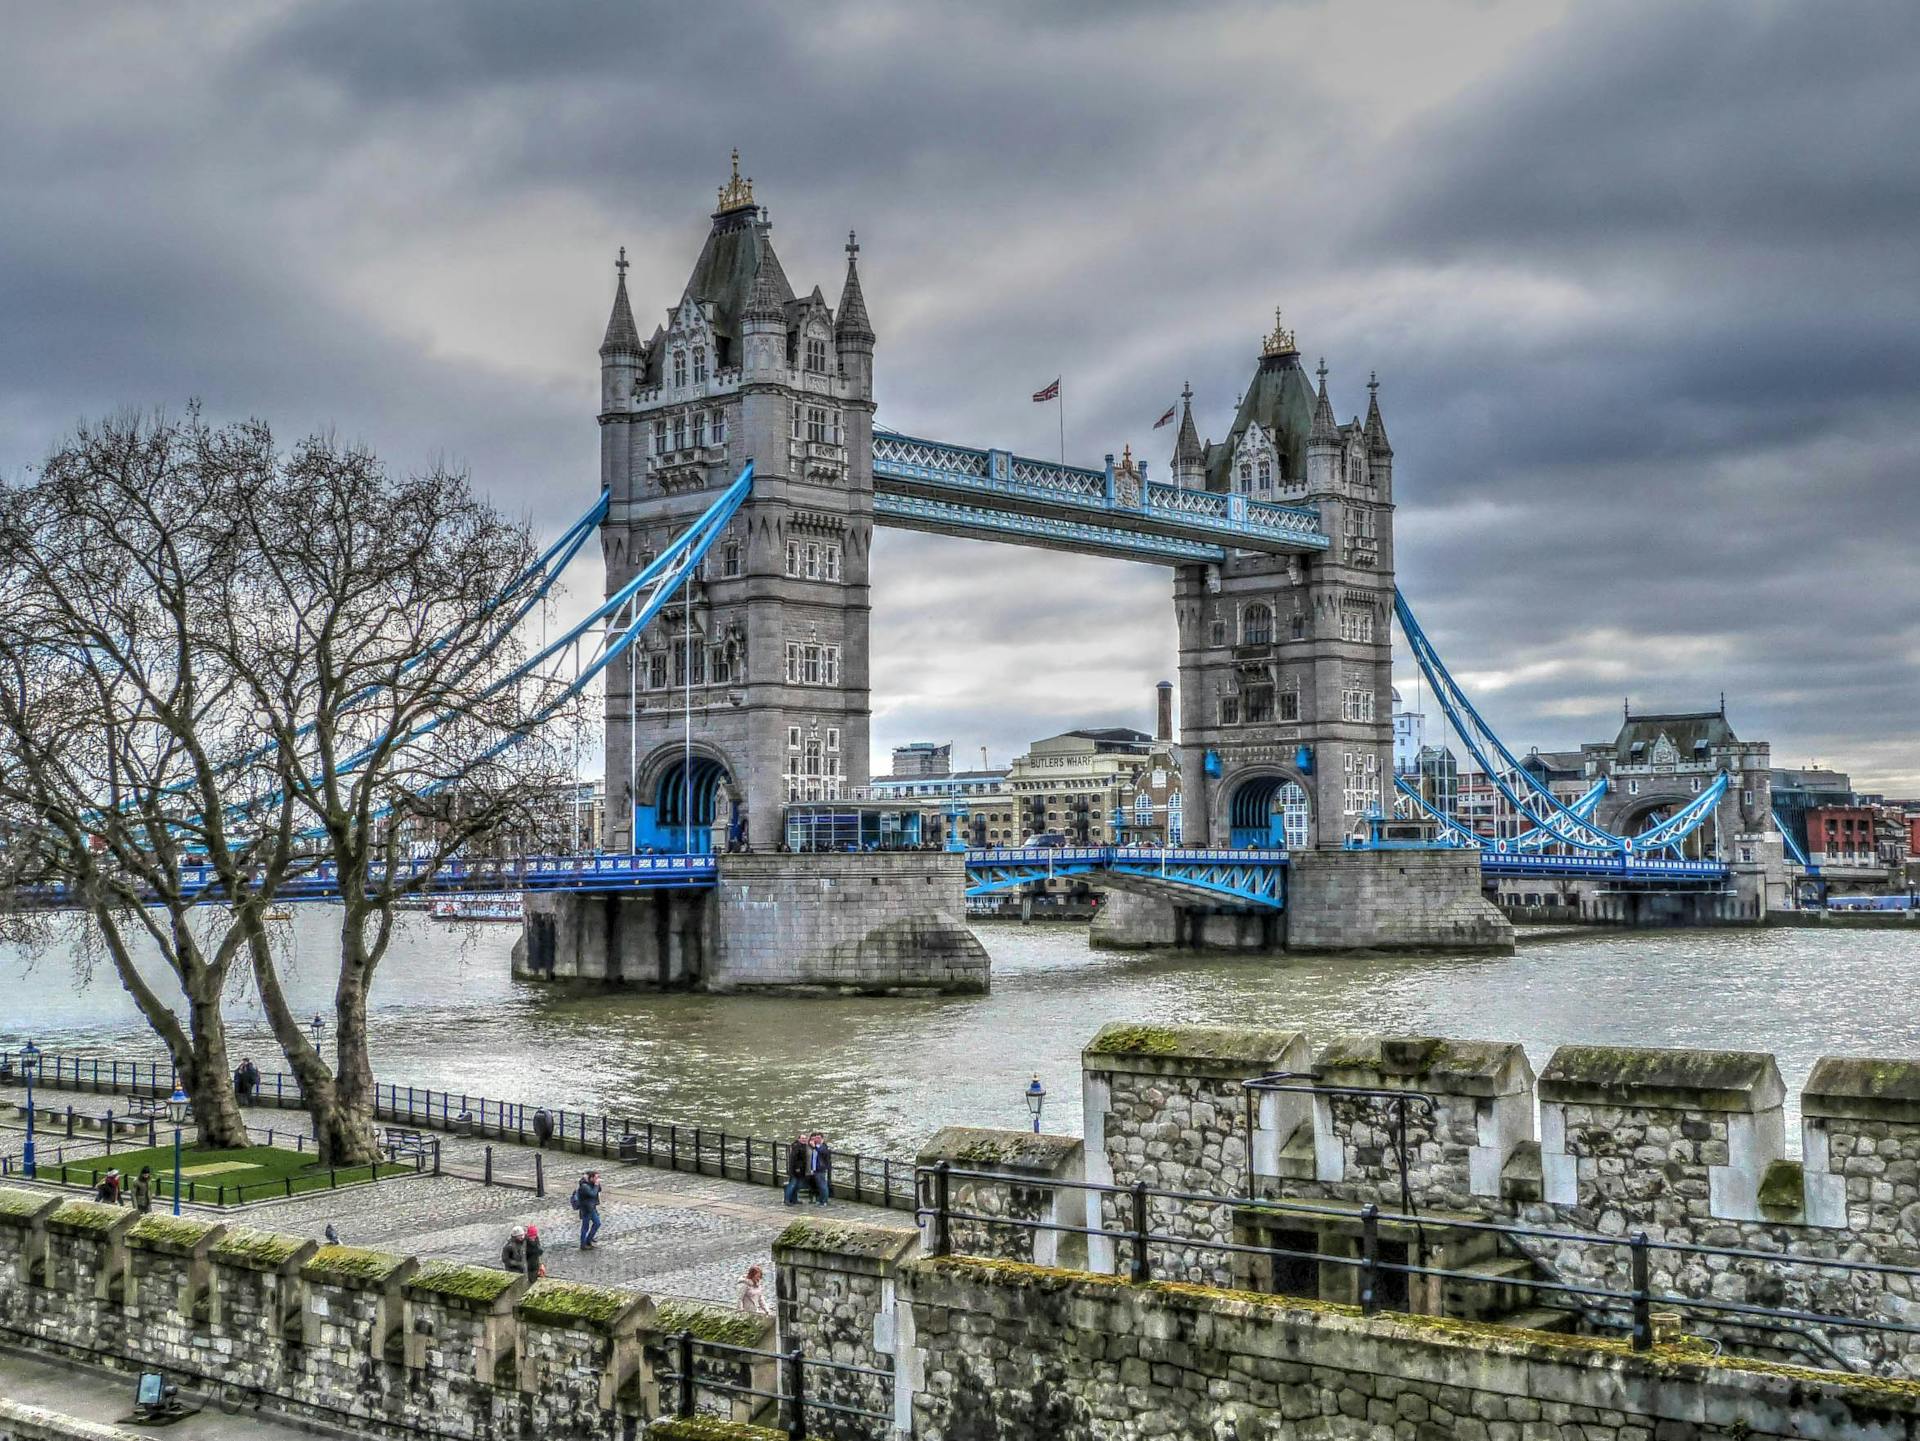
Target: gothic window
1218 631
1256 625
1289 705
659 437
1229 710
830 664
796 422
1266 475
699 429
1356 624
679 367
817 428
813 562
1143 809
1259 703
1299 625
720 666
719 427
1173 819
699 364
793 557
730 558
831 556
833 738
1356 697
1246 478
817 354
793 738
679 432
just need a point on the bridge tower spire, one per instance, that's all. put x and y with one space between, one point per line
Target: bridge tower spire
1189 458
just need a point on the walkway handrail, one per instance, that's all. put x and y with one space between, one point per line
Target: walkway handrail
668 1144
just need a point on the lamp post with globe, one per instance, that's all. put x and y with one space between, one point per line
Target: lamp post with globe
177 1105
1036 1100
29 1064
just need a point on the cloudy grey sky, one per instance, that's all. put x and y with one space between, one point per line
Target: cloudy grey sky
1641 282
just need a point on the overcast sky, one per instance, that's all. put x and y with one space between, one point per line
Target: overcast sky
1641 283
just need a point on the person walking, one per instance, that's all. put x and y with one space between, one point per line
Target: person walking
822 1167
753 1292
542 1128
143 1191
799 1167
586 1200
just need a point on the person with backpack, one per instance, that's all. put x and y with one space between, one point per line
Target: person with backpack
108 1191
586 1200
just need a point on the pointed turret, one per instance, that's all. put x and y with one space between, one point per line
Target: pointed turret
763 319
1376 431
1323 442
623 336
852 331
851 319
1189 457
1326 431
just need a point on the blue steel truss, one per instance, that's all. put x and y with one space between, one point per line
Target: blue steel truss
995 495
1252 878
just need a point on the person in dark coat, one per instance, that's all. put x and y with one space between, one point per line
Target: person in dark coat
143 1190
586 1200
799 1167
513 1255
536 1268
542 1128
246 1081
822 1166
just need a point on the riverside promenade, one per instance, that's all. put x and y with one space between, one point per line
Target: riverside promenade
670 1233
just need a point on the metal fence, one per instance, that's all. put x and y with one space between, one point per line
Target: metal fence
792 1395
1631 1309
669 1145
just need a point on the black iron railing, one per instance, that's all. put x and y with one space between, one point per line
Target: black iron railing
792 1393
1636 1303
672 1145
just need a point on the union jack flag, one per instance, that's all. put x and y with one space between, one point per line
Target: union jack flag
1052 392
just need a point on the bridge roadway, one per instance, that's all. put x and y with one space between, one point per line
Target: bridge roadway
1245 877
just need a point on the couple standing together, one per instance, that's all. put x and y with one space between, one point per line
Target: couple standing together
809 1164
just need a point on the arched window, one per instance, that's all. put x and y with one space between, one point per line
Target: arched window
1256 625
1266 475
817 354
1295 815
1246 477
730 558
1143 809
679 367
699 364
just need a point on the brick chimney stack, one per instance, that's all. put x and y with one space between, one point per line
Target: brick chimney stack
1163 715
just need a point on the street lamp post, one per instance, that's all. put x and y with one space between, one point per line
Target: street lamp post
1036 1100
177 1108
29 1063
318 1025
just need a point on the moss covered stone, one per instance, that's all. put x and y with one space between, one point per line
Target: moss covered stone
1649 1076
20 1206
476 1285
1783 1188
1862 1087
567 1303
983 1149
352 1266
176 1234
845 1238
1236 1045
90 1216
1465 1067
257 1250
709 1322
711 1428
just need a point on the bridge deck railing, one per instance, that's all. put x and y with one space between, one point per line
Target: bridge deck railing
614 1137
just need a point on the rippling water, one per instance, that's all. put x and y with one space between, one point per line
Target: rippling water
883 1073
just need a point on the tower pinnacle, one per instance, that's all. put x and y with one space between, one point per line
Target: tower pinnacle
622 335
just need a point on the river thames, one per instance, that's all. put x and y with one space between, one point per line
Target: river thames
882 1074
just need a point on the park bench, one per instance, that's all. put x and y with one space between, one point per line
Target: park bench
51 1117
406 1141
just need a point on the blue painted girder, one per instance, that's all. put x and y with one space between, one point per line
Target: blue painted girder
1254 878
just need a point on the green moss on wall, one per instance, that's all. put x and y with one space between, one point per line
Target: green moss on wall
481 1285
169 1233
351 1265
1783 1188
87 1216
709 1322
562 1303
259 1250
17 1205
1235 1045
844 1238
711 1428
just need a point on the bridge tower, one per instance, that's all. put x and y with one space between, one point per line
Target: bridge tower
1286 662
754 690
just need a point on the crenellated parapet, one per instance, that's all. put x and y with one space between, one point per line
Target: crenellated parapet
344 1336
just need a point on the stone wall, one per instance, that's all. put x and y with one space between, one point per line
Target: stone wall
344 1337
1044 1166
881 923
1044 1355
1687 1147
1391 901
837 1286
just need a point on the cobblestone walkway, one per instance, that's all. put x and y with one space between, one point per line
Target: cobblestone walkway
665 1232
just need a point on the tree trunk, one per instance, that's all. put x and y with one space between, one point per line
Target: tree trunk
204 1073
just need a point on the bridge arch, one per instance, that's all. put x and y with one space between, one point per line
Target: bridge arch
1270 808
1636 813
678 787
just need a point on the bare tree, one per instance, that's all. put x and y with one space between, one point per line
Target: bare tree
337 682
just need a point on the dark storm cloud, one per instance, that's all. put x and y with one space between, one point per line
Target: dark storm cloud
1640 283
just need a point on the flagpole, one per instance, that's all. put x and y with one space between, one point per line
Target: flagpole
1062 398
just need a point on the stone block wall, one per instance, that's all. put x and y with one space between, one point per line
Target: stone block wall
1057 1356
339 1336
1685 1146
837 1285
1166 1105
874 923
1044 1166
1391 901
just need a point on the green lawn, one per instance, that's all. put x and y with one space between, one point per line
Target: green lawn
252 1173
